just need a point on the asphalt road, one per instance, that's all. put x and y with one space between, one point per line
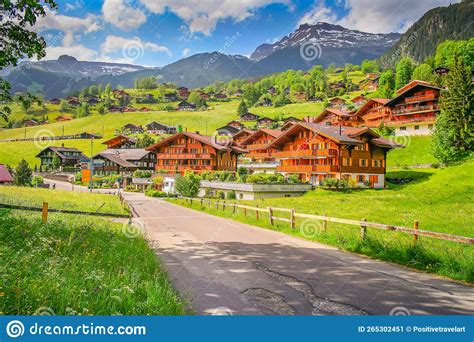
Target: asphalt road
226 267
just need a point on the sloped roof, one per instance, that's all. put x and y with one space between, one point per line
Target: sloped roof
338 112
410 86
271 132
123 157
207 140
5 175
59 151
366 105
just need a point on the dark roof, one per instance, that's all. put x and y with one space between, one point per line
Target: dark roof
228 129
207 140
409 87
5 175
126 154
59 151
337 112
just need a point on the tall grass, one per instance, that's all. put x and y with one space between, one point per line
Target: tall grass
78 266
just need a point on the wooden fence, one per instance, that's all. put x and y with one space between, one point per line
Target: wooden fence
45 210
362 224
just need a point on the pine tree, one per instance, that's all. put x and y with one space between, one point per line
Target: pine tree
23 174
404 72
453 137
242 108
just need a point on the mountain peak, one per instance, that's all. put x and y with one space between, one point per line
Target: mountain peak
327 36
66 59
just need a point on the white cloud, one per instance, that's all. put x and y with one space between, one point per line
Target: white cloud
377 16
73 6
203 16
122 16
68 25
80 52
186 52
131 49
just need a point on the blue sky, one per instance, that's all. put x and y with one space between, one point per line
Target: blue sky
159 32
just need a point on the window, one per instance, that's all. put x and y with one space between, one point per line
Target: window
417 127
361 178
346 161
363 162
430 126
403 128
376 163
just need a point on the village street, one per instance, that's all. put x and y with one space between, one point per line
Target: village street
226 267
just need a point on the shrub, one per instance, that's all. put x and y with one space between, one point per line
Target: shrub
142 174
221 194
155 193
37 180
187 185
231 195
262 178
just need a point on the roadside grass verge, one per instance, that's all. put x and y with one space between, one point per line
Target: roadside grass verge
79 266
61 199
440 199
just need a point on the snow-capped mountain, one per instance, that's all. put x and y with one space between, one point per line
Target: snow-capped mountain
327 36
78 69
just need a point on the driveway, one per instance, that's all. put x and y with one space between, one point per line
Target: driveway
226 267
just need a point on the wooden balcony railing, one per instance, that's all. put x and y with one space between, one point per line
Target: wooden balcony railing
185 167
420 98
307 168
182 156
414 110
331 152
256 146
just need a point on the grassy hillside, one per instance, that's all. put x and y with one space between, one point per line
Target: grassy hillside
75 265
440 199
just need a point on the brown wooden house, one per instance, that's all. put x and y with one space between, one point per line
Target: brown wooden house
332 116
187 151
5 176
68 157
249 117
256 145
241 136
120 141
124 161
315 152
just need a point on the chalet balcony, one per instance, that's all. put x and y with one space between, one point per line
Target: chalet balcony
182 156
307 168
420 98
260 155
185 167
331 152
257 146
414 110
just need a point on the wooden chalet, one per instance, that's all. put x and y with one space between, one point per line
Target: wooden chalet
241 136
291 119
315 152
266 102
115 109
170 97
220 96
204 96
120 142
132 129
272 91
373 112
249 117
236 124
315 99
159 128
5 175
183 92
68 157
55 101
63 118
265 122
73 101
336 102
257 145
442 71
124 161
227 130
30 123
119 93
359 100
414 109
370 83
187 151
332 116
186 106
300 96
91 99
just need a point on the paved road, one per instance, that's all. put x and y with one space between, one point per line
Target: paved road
225 267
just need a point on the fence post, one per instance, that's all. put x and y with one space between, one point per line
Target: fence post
415 236
245 211
201 202
45 212
363 230
325 224
270 215
191 201
256 212
223 206
234 208
292 218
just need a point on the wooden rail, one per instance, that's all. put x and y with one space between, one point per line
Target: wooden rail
362 224
45 210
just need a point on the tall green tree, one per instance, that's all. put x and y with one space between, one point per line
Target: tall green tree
386 84
242 109
453 137
423 72
187 185
23 175
18 39
404 71
108 89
